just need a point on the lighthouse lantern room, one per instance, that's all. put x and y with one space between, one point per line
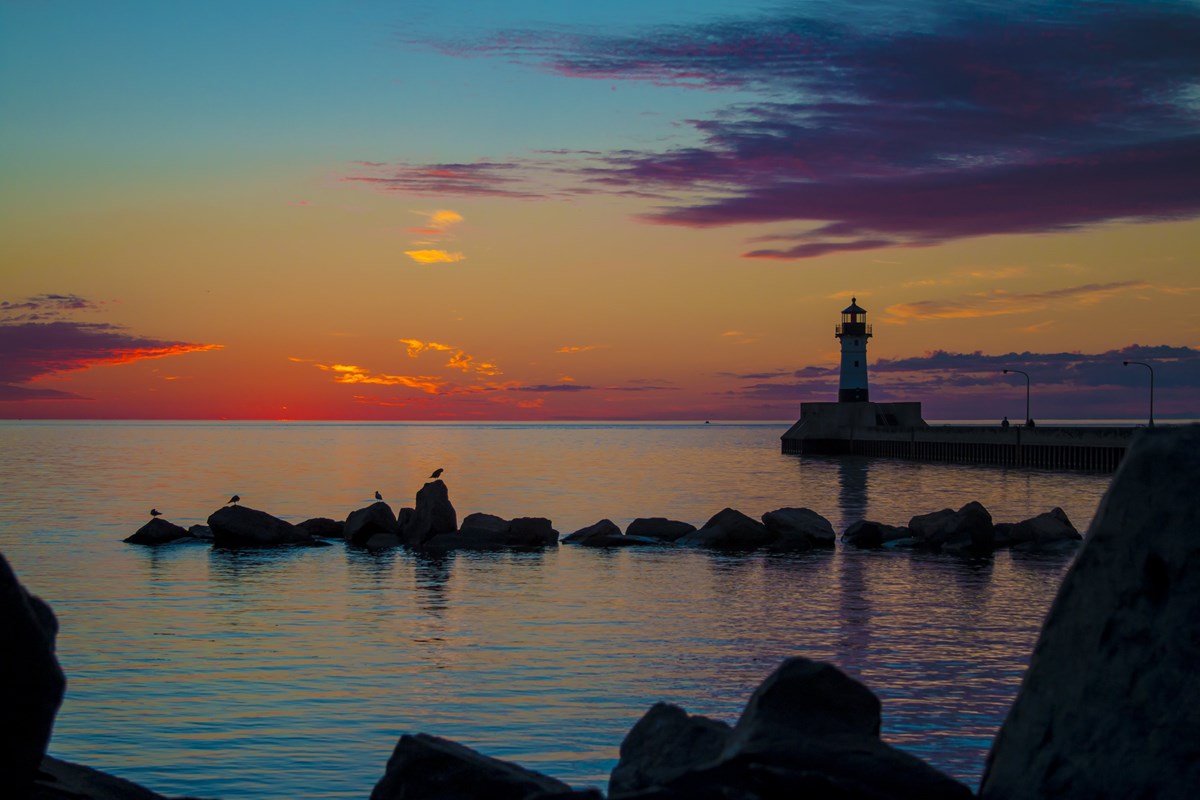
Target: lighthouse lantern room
853 333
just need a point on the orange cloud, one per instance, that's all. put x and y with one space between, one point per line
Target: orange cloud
349 373
577 348
416 346
999 302
434 256
458 358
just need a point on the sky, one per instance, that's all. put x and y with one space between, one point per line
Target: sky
537 210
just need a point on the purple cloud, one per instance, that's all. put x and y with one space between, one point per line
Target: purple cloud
906 128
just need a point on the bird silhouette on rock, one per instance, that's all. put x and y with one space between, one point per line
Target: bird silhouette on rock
154 512
437 473
234 500
378 496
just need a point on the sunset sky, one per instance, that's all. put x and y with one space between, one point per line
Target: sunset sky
617 210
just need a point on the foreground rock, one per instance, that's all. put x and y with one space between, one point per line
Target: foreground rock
62 780
667 530
810 731
434 515
729 529
969 528
489 532
31 683
376 521
424 767
1110 704
798 529
241 526
664 744
158 531
867 533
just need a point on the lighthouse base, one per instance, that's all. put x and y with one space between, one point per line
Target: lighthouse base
852 396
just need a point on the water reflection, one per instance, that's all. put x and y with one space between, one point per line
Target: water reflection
370 568
432 575
853 645
852 488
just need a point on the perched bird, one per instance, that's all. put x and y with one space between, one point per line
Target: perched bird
154 512
234 500
437 473
378 496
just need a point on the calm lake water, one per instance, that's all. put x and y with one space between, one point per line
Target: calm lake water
291 673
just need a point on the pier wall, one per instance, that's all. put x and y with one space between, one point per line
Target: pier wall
825 429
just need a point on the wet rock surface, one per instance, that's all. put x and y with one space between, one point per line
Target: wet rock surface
158 531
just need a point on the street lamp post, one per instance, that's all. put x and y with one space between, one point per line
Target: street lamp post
1147 366
1026 374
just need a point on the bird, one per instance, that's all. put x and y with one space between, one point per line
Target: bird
154 512
234 500
378 496
437 473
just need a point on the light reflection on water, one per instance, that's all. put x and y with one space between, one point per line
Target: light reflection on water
267 673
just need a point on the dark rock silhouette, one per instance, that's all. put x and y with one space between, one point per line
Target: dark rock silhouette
242 526
969 528
424 767
866 533
375 521
605 533
489 532
664 744
668 530
1110 704
798 529
434 514
323 528
31 683
1049 531
62 780
157 531
729 529
202 532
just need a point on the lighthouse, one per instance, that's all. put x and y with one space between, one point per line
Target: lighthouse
853 333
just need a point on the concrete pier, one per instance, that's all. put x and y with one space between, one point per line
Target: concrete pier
896 430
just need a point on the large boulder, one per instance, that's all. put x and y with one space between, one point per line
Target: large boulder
373 520
729 529
424 767
157 531
242 526
667 530
1110 704
798 529
664 744
62 780
969 528
489 532
434 514
31 683
868 533
816 727
1049 531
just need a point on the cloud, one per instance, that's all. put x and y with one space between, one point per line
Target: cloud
488 179
350 373
873 127
578 348
458 358
999 302
44 307
434 256
552 387
34 350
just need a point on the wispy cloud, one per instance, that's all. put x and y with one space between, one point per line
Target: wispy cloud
350 373
458 357
434 256
578 348
887 128
999 302
38 340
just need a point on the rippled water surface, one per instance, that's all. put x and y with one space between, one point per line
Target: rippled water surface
266 674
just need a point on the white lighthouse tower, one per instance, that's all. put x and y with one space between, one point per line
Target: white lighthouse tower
853 333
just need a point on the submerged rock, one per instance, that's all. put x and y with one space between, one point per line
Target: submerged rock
867 533
605 533
667 530
798 529
1110 704
664 744
424 767
969 528
31 682
242 526
157 531
323 528
729 529
364 523
201 532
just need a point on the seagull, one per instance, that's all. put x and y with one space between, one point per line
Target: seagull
378 496
437 473
234 500
154 512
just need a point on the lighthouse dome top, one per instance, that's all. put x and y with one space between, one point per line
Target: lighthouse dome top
854 308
